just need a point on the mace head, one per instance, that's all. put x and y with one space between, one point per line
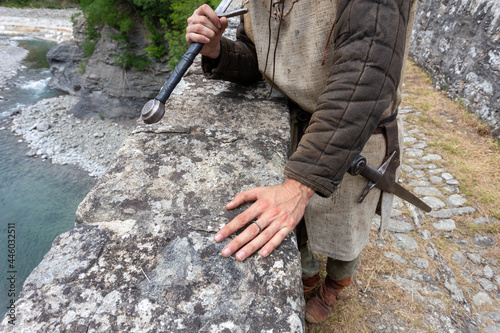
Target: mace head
152 111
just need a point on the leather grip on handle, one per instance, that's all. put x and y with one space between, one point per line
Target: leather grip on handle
179 71
359 167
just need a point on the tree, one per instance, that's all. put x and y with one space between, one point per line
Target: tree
164 19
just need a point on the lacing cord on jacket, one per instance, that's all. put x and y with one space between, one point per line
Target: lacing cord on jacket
276 9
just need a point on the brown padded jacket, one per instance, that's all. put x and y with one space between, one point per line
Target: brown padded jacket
369 43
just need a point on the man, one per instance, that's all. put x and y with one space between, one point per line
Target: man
340 63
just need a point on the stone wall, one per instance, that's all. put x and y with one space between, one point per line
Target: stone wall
142 256
458 43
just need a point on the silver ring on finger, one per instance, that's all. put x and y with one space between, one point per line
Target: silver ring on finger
260 228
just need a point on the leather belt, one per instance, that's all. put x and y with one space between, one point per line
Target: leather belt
380 129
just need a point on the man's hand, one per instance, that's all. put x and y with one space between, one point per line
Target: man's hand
278 209
205 27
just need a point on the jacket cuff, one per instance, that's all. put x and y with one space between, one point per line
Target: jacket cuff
318 184
212 67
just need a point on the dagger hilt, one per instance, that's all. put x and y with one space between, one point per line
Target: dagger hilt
360 167
380 178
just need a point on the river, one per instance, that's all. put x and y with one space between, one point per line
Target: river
38 199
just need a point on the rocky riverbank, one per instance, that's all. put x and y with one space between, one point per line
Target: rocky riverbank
46 126
52 133
50 130
11 56
48 24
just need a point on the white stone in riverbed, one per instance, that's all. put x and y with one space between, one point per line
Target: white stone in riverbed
409 139
449 212
483 220
455 200
424 166
417 174
445 225
436 303
406 168
484 240
495 316
420 145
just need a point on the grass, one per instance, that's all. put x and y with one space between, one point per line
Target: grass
470 154
473 158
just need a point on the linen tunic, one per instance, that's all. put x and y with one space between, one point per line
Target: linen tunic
358 85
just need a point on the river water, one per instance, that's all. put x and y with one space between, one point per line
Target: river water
38 199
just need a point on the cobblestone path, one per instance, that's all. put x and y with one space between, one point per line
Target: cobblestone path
456 286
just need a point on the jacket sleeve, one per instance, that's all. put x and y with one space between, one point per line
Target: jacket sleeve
237 61
369 41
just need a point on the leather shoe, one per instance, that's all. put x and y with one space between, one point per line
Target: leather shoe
310 283
321 305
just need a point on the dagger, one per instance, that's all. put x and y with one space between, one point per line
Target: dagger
154 109
380 178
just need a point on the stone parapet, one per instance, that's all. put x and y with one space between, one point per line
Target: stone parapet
142 256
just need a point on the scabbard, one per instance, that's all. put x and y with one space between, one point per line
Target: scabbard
389 128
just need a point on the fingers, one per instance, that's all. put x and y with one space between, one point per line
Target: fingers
247 235
256 243
268 240
204 26
250 241
238 222
275 241
200 31
206 10
278 209
243 197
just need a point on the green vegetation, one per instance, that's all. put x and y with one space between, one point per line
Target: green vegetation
165 20
52 4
